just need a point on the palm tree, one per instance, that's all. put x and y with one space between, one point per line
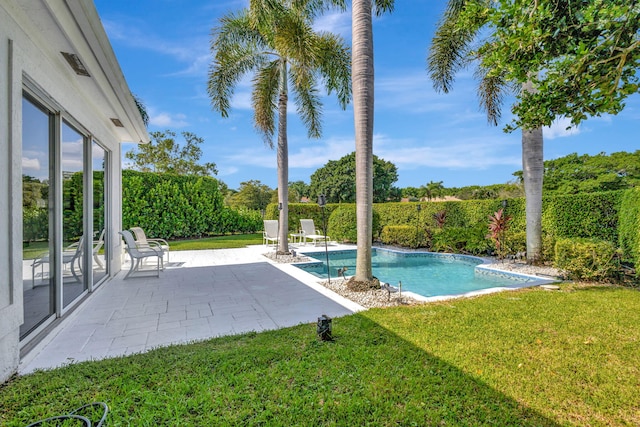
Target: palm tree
274 40
362 82
450 51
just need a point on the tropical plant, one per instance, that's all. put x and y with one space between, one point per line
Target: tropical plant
275 41
498 226
164 155
455 46
582 56
336 180
362 81
440 218
432 189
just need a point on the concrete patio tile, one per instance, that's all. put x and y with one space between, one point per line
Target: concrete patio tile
166 337
131 327
139 339
212 293
193 323
155 308
171 317
168 325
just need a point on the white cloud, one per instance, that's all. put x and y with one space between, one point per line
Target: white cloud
194 51
227 170
465 153
336 22
168 120
560 128
30 164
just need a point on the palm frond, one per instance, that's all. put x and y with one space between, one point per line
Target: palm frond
450 49
264 99
238 48
381 7
307 99
491 89
334 65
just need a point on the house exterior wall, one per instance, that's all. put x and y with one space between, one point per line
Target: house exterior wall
32 35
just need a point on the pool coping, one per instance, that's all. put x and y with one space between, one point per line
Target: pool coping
483 267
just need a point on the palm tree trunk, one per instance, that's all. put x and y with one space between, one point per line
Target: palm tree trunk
362 83
283 162
532 173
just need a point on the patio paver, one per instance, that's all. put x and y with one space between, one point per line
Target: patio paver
200 295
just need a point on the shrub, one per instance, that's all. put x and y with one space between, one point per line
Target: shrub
468 240
587 259
404 235
342 224
515 241
629 226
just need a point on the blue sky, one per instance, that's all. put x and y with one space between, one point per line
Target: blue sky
163 50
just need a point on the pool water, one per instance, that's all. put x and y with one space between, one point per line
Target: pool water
424 273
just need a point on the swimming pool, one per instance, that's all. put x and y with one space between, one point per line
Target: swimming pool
426 274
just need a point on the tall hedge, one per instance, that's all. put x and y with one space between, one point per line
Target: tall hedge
629 226
170 206
593 215
590 215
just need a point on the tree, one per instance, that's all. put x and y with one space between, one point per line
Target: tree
581 56
363 101
337 182
275 41
164 155
464 23
298 190
432 189
251 195
573 174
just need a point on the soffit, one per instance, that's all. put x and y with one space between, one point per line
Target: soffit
74 26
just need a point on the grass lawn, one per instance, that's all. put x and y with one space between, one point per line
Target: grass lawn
523 358
218 242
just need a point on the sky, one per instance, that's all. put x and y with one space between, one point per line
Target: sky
163 47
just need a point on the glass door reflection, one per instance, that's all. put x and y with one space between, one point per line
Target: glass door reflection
99 250
72 162
38 284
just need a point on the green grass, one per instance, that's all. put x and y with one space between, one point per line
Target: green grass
218 242
36 249
524 358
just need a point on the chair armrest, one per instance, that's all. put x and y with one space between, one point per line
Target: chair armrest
160 241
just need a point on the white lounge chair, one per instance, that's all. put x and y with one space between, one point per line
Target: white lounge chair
138 254
143 242
270 233
72 255
309 232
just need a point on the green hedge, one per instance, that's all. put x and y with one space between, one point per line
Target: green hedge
404 235
592 215
629 226
587 259
343 224
170 206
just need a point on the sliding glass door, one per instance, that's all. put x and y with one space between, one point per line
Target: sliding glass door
73 236
65 212
99 249
37 214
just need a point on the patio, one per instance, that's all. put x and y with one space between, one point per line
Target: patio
200 295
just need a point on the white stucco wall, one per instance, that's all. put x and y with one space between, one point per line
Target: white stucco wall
32 35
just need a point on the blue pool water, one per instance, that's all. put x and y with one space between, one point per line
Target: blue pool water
424 273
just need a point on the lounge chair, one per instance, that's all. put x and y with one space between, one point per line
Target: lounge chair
97 245
72 255
309 232
270 233
139 254
143 242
